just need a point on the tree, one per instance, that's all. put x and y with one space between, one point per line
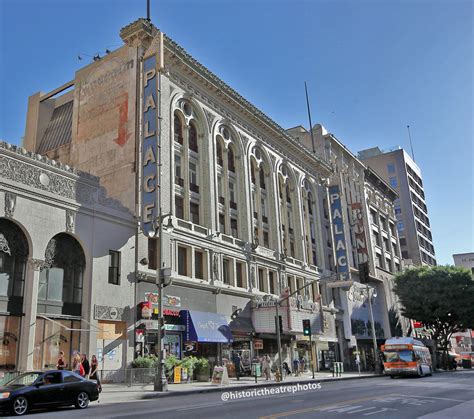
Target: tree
441 297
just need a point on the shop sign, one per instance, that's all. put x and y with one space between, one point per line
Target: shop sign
177 375
175 327
359 232
152 297
146 310
264 302
150 324
258 344
151 141
169 312
108 313
190 346
171 300
301 304
338 232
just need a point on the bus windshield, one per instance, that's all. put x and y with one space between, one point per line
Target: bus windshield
398 356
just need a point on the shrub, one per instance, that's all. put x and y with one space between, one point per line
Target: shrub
144 362
201 365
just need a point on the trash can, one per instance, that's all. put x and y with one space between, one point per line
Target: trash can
256 369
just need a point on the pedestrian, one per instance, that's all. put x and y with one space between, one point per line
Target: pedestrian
302 365
296 366
94 372
238 365
85 365
77 365
61 364
266 367
286 368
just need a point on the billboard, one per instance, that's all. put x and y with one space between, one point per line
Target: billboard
338 232
359 233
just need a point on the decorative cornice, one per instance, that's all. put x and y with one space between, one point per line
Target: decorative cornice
177 55
36 264
10 204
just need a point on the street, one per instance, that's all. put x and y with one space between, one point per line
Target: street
449 394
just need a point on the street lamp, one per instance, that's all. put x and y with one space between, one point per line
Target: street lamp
160 382
357 294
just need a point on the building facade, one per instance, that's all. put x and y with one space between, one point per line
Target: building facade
244 203
398 169
367 234
57 292
466 260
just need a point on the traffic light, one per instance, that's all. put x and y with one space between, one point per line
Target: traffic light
307 327
364 273
280 324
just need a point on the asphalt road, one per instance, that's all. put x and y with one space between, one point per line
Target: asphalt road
449 394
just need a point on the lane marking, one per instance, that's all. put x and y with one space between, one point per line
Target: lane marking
323 407
432 397
200 406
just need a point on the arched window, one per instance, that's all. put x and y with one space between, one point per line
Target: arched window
178 130
61 281
228 181
193 139
13 258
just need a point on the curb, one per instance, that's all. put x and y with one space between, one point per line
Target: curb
156 395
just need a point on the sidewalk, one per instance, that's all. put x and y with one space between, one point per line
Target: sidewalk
115 392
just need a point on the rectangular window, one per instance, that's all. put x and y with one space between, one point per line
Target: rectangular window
239 272
271 279
198 265
182 261
265 239
261 280
179 207
404 254
222 223
376 238
373 216
378 260
383 222
386 244
291 284
226 271
152 252
232 192
400 226
390 168
114 268
393 182
194 209
233 227
193 178
403 242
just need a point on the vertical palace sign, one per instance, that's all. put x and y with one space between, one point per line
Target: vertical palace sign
338 232
151 135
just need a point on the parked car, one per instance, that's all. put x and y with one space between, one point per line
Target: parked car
41 389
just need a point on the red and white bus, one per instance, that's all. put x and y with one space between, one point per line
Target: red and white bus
406 356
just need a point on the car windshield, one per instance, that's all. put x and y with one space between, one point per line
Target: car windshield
398 356
24 379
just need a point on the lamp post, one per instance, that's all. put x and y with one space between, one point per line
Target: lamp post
374 338
160 382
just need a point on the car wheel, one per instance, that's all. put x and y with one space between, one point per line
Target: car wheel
392 376
82 400
20 406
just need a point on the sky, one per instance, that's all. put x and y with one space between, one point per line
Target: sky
372 68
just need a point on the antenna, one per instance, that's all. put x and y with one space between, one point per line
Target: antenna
309 117
148 10
411 144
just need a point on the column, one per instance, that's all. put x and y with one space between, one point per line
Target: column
30 302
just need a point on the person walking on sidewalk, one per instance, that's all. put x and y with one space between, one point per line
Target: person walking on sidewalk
266 367
85 365
94 372
296 366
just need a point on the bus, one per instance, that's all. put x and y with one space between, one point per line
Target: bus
406 356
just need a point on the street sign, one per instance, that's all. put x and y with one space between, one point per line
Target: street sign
257 344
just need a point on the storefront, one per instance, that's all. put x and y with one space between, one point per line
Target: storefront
205 334
9 342
53 336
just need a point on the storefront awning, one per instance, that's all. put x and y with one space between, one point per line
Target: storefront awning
241 325
206 327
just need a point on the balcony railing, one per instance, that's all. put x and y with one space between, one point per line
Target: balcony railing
233 205
179 181
222 200
193 187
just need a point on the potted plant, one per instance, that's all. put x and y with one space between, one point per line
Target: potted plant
202 369
189 363
170 363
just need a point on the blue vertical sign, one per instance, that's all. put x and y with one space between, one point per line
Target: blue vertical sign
338 231
150 144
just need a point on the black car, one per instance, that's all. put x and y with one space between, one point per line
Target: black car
46 389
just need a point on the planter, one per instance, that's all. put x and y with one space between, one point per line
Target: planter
203 374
